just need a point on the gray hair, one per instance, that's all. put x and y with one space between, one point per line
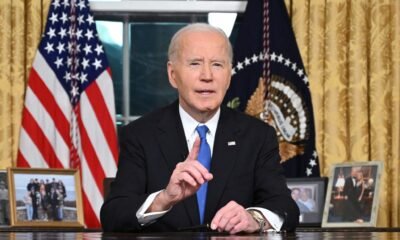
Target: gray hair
174 45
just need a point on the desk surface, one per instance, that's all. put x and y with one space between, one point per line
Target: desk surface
307 234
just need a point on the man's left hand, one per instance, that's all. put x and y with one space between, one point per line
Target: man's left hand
233 218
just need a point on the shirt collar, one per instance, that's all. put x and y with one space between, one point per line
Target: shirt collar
190 124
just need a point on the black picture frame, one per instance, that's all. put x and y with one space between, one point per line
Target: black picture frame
309 195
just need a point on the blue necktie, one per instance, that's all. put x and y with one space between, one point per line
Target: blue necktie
204 158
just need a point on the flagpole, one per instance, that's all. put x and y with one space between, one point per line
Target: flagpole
266 71
266 66
74 129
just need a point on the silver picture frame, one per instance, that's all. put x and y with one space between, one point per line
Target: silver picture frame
352 197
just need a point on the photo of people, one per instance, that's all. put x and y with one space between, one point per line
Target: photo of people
303 199
45 197
351 198
4 202
309 197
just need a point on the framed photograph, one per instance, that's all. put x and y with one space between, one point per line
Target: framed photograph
4 203
45 198
309 195
353 195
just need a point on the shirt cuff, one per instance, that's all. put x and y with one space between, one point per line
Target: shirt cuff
148 218
274 219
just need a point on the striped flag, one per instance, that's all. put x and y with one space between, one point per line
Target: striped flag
69 113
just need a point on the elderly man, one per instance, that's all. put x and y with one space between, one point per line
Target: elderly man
230 179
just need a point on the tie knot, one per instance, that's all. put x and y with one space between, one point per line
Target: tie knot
202 131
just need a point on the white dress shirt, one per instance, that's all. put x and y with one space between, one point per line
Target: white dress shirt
189 127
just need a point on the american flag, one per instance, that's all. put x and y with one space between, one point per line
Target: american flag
69 113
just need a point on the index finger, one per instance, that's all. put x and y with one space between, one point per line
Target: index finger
195 150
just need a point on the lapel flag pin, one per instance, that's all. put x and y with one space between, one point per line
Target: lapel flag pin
231 143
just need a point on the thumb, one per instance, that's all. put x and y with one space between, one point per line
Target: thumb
195 150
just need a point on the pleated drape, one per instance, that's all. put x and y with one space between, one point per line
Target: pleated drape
21 24
351 50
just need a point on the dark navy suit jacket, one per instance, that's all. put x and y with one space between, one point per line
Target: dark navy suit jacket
247 172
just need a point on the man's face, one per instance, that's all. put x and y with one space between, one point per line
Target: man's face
201 71
354 172
303 195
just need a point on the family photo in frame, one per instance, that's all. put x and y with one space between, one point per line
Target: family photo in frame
45 197
353 194
4 202
309 195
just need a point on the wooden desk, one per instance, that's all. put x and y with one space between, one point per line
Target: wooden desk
301 233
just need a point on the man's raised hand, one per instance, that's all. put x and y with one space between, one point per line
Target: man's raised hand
185 180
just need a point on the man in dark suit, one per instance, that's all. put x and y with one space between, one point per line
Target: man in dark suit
157 187
353 190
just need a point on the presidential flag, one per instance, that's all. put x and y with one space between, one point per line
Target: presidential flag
69 114
269 82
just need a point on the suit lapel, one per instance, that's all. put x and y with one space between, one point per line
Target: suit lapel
223 161
172 142
171 137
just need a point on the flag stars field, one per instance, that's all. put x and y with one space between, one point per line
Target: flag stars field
248 61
